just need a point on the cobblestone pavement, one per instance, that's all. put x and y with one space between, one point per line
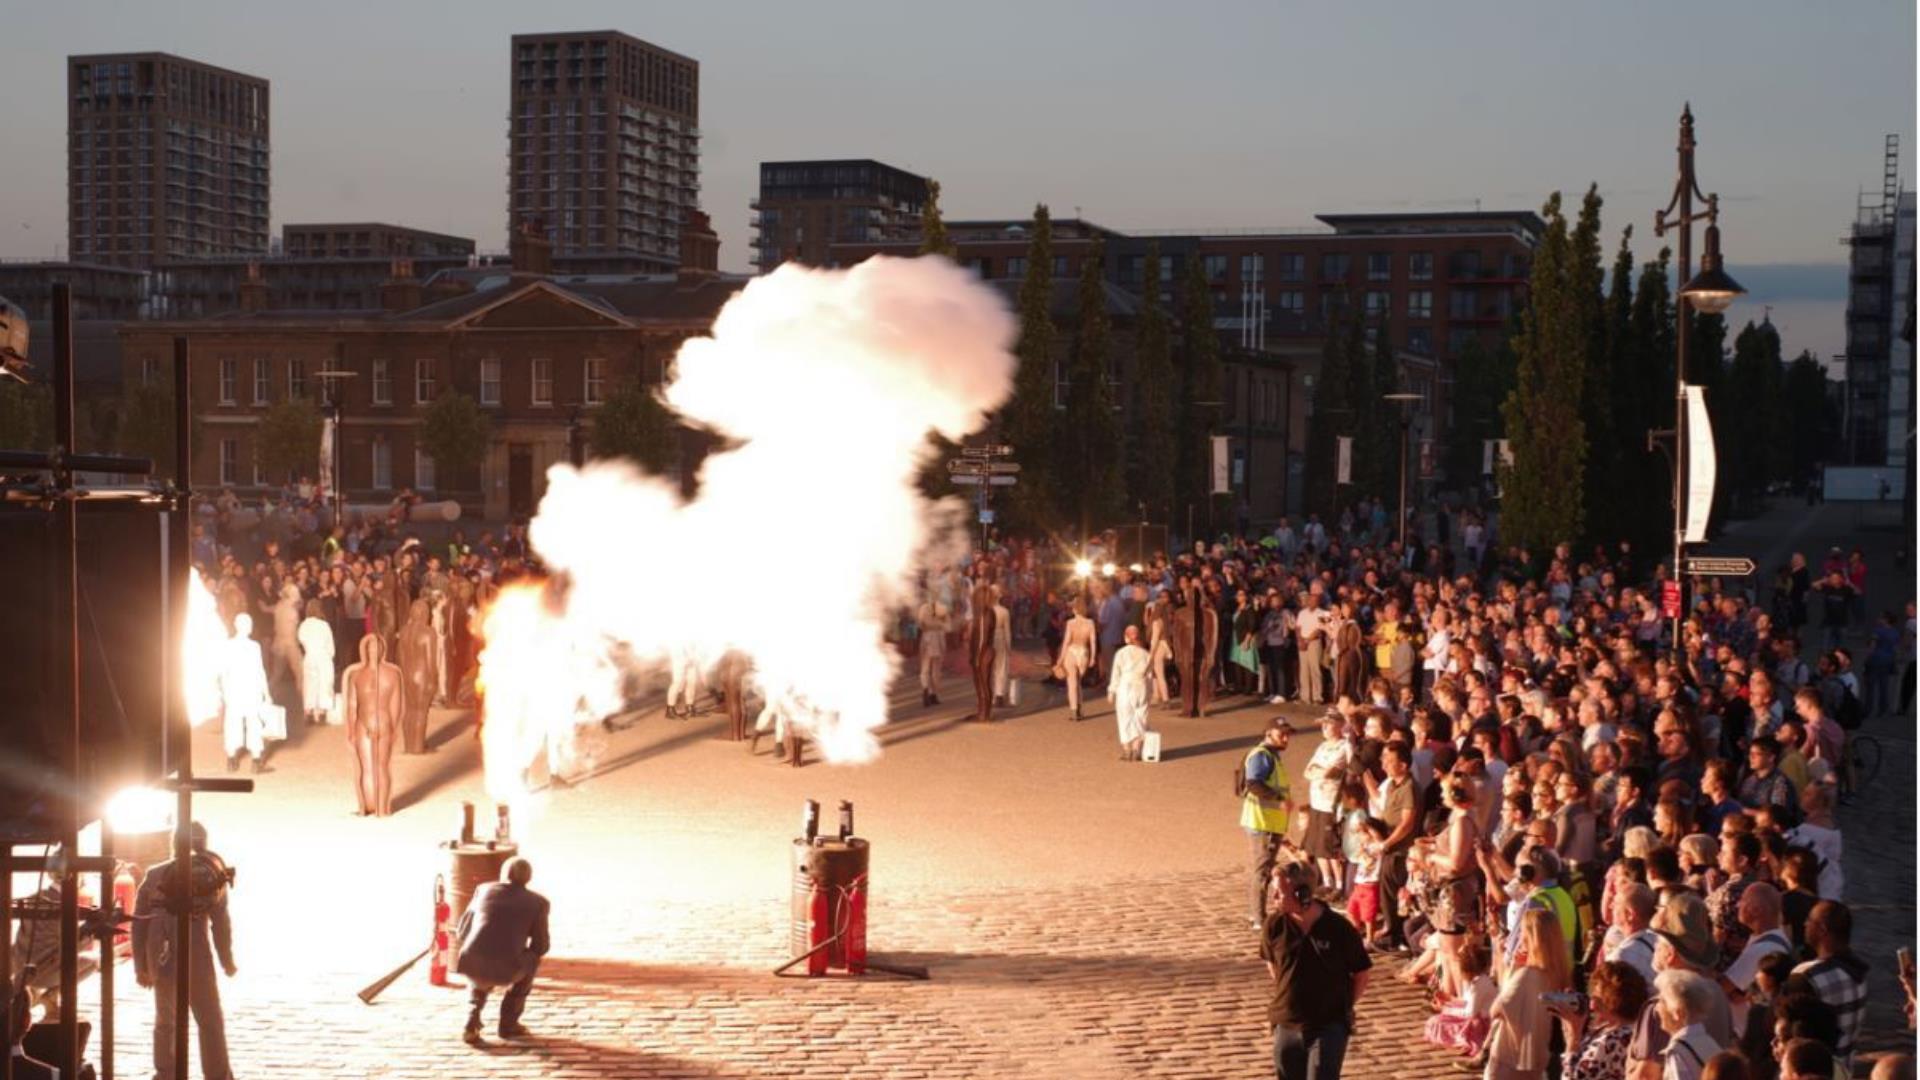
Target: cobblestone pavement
1081 917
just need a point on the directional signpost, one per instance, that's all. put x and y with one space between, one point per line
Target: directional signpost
977 467
1719 566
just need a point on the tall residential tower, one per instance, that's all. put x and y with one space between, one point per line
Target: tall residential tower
167 158
604 149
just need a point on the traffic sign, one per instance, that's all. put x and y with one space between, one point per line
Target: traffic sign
976 479
1716 566
993 450
1670 599
1000 468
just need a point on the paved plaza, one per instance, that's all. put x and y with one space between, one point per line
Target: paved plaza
1081 916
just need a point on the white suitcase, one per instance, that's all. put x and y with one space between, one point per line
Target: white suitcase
1150 747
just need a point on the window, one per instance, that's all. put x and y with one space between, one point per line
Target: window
1291 301
1380 266
1253 267
382 464
1016 266
1060 267
229 457
1463 264
259 479
542 371
422 470
490 381
1062 385
262 381
149 370
1377 303
1332 302
1420 266
229 381
1291 267
1463 303
1216 267
1334 267
1420 304
1420 340
382 381
594 382
422 381
296 378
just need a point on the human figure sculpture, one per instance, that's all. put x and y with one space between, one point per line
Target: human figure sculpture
286 639
1077 645
1196 646
460 595
420 668
383 615
372 691
982 629
733 684
243 696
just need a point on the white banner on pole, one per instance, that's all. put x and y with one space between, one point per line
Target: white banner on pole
326 455
1222 467
1343 472
1701 465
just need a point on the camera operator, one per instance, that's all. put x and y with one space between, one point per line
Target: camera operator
1320 970
1599 1024
156 955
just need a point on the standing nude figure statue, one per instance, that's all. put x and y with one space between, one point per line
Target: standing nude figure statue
420 669
373 719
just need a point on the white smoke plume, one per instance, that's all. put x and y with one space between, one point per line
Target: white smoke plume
807 535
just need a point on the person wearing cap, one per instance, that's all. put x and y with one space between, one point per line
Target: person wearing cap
1686 944
1539 870
1264 807
1320 970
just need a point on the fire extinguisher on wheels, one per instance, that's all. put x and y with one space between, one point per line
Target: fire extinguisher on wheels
442 934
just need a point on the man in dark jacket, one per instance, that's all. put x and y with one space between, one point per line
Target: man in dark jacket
502 937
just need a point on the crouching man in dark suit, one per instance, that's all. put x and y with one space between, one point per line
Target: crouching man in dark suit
502 937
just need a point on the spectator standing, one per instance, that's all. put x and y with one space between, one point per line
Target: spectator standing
1320 971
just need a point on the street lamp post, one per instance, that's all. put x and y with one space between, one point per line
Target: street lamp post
331 379
1712 291
1405 401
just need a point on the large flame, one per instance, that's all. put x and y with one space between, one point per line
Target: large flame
200 654
806 535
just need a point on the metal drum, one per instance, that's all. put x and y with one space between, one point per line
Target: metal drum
829 899
471 866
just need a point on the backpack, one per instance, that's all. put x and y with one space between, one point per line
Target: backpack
1240 785
1848 714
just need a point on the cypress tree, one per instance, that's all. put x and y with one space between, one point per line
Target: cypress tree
1644 403
1030 418
1200 395
1810 417
1367 423
1154 451
933 228
1608 444
1542 414
1092 473
1386 422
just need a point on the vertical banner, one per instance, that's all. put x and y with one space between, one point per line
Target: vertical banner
1343 472
1222 470
1426 459
1700 465
326 456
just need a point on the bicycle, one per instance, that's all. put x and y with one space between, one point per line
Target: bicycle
1859 765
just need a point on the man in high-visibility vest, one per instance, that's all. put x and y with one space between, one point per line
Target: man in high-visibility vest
1263 810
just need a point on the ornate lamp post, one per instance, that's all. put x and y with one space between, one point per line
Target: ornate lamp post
1712 291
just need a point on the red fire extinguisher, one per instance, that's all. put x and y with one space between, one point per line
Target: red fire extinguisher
123 892
442 934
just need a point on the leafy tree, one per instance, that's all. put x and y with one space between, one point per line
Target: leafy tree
1482 378
1092 472
143 426
1029 419
26 415
633 424
287 442
933 228
1755 416
1332 416
1542 414
1200 396
455 433
1371 424
1643 403
1155 454
1384 426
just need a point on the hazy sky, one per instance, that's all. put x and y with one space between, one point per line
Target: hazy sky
1140 114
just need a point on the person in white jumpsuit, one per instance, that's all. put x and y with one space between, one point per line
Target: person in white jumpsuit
1128 691
933 649
316 662
243 694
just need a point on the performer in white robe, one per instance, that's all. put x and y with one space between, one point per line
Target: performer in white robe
316 648
1002 648
688 683
1128 691
243 695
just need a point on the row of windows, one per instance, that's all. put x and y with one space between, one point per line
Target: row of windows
426 385
379 466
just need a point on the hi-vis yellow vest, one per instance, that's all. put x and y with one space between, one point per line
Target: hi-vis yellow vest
1261 809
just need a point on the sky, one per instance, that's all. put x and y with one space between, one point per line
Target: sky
1134 113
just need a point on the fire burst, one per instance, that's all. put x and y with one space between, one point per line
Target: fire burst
541 679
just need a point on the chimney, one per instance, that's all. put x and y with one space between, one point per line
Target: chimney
253 290
699 249
529 250
401 291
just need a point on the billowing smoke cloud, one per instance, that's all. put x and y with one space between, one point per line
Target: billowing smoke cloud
807 534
